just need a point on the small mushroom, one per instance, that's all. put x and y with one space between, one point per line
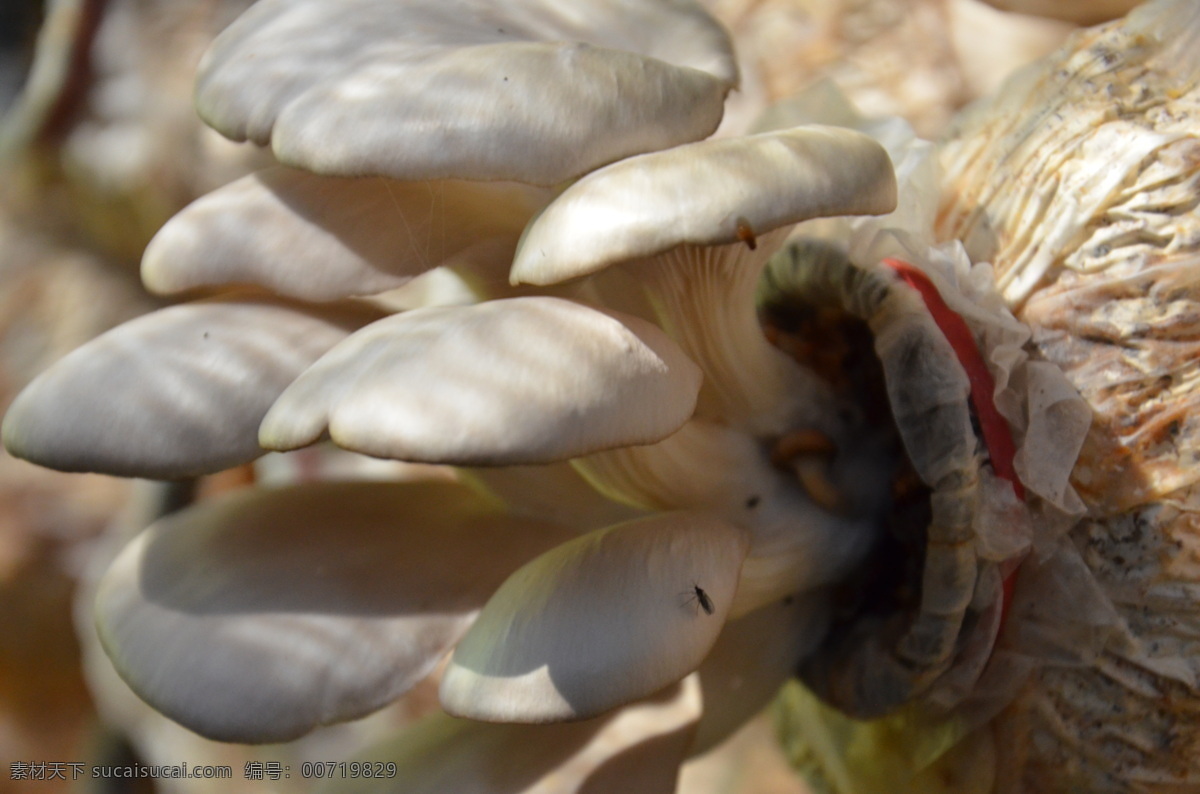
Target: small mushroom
598 622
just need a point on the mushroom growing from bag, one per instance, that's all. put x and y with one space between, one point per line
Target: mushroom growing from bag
661 510
264 614
1077 181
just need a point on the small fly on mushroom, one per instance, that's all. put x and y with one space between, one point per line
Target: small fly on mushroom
697 596
745 233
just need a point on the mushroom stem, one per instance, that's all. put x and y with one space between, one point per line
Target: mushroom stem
703 297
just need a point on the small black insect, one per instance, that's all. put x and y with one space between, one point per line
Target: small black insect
700 597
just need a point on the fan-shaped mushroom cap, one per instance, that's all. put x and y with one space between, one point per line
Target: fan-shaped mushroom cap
266 614
176 393
525 380
599 622
321 238
711 192
529 90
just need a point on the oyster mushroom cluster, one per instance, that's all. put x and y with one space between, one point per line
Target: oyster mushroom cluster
659 512
547 158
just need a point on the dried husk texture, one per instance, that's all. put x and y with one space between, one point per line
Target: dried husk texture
1079 183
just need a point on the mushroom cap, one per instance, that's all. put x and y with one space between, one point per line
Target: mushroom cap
711 192
598 622
524 380
265 614
322 238
527 90
175 393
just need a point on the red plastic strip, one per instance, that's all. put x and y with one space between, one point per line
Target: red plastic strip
996 435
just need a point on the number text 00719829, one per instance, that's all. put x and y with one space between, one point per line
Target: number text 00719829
347 769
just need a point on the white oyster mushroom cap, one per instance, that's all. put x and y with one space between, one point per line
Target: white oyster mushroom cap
711 192
635 749
529 90
322 238
176 393
599 622
263 615
525 380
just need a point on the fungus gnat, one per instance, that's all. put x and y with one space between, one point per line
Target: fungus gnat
745 233
700 597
